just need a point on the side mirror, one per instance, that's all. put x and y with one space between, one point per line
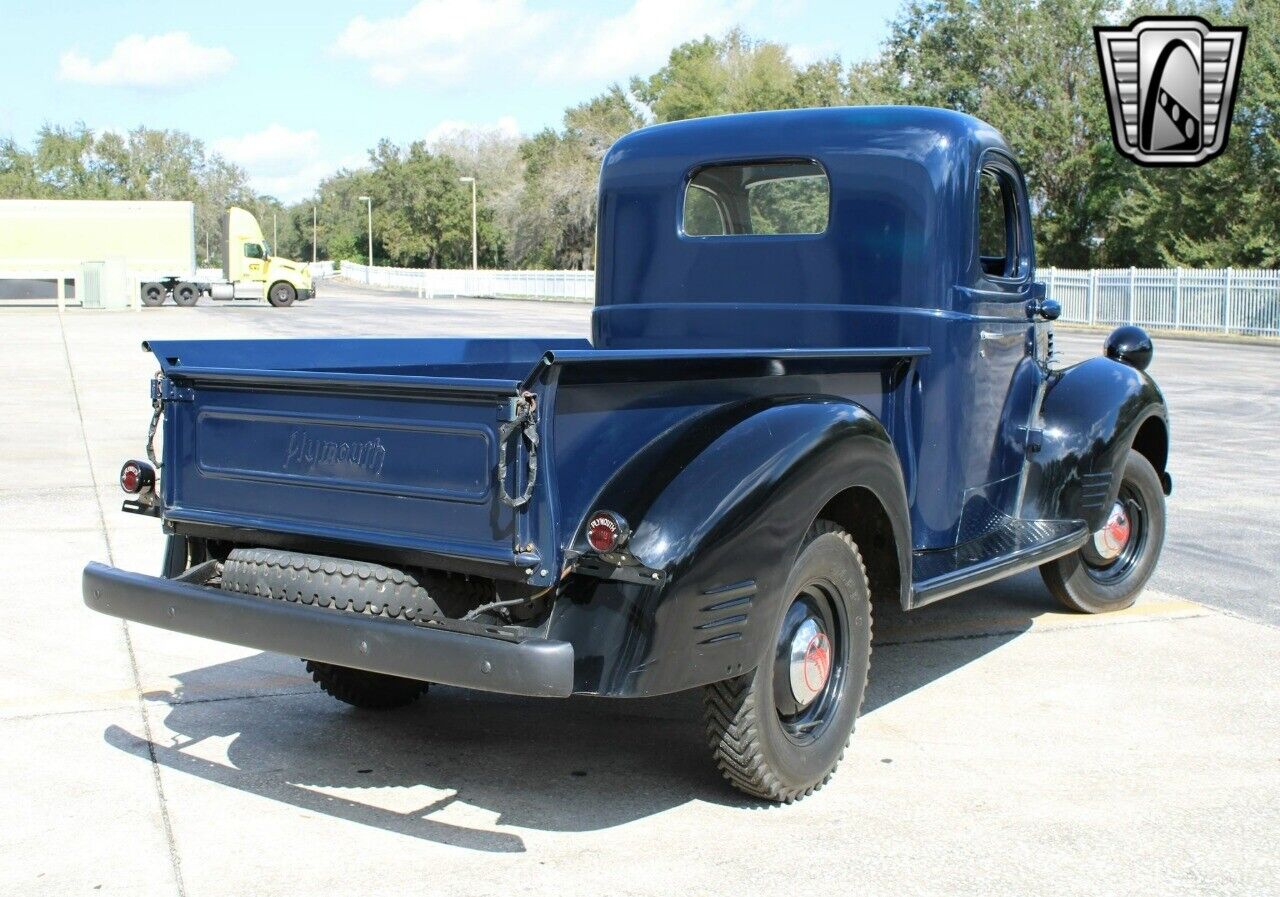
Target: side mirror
1129 345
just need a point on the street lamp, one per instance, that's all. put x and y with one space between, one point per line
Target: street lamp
369 271
313 233
475 256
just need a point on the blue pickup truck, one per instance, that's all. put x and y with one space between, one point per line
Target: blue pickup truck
821 375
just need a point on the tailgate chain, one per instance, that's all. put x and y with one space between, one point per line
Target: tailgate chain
526 422
157 406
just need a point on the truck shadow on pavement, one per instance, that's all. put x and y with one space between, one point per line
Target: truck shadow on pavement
554 765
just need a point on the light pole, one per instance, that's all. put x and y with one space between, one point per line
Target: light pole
369 271
275 234
475 256
313 233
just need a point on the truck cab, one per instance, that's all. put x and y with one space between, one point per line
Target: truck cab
248 265
820 377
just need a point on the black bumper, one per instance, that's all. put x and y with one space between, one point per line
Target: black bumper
534 667
304 295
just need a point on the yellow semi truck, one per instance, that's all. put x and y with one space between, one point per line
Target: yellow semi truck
151 244
249 270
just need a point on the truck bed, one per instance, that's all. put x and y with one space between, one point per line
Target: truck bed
390 448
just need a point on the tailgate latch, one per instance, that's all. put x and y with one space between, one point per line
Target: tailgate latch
523 424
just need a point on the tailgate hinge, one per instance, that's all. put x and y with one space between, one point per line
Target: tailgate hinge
165 390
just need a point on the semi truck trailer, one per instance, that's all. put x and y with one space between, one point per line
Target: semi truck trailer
153 243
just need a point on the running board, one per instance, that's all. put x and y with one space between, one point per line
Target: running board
1016 546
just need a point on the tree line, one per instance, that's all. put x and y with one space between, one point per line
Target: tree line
1027 66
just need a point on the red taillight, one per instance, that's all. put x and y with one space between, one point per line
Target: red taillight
136 477
606 531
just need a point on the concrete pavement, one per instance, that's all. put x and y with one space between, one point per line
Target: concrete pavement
1005 748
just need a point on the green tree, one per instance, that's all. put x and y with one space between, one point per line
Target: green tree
557 220
732 74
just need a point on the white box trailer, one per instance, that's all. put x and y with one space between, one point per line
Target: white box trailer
54 239
129 251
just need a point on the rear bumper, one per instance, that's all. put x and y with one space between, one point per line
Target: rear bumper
534 667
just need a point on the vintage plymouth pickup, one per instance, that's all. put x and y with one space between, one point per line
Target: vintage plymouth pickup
821 375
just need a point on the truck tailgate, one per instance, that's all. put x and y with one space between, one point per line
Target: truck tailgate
370 448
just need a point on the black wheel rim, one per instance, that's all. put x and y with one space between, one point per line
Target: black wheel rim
803 720
1111 571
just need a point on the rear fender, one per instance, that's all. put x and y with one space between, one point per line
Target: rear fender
724 532
1092 413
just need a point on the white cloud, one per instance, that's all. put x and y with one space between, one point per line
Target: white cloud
445 42
164 60
273 150
285 163
442 41
505 126
640 38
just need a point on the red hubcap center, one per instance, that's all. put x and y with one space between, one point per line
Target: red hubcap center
817 662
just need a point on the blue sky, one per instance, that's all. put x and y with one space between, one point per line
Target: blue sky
292 93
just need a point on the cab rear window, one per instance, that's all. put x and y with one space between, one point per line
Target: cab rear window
762 198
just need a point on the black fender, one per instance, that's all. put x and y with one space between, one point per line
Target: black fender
723 532
1092 414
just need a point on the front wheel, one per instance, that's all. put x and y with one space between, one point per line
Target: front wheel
1109 572
282 294
779 732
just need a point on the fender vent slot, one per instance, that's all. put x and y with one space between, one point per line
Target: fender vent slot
734 596
1094 488
725 621
723 637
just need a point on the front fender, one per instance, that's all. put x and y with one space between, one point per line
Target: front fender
1091 414
725 530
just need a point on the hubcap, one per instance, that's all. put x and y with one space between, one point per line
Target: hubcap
1110 541
809 663
810 666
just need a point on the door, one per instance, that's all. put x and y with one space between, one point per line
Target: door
1005 371
255 262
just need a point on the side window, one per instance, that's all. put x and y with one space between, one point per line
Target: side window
702 215
999 228
252 250
760 198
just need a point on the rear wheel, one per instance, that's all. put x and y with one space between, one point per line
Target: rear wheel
282 294
779 732
153 294
1112 568
337 585
186 294
360 688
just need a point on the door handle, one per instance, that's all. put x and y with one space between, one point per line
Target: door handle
996 338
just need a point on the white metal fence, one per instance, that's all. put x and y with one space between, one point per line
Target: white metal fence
573 285
1224 300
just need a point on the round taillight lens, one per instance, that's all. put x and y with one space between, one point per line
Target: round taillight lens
130 478
606 531
136 477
